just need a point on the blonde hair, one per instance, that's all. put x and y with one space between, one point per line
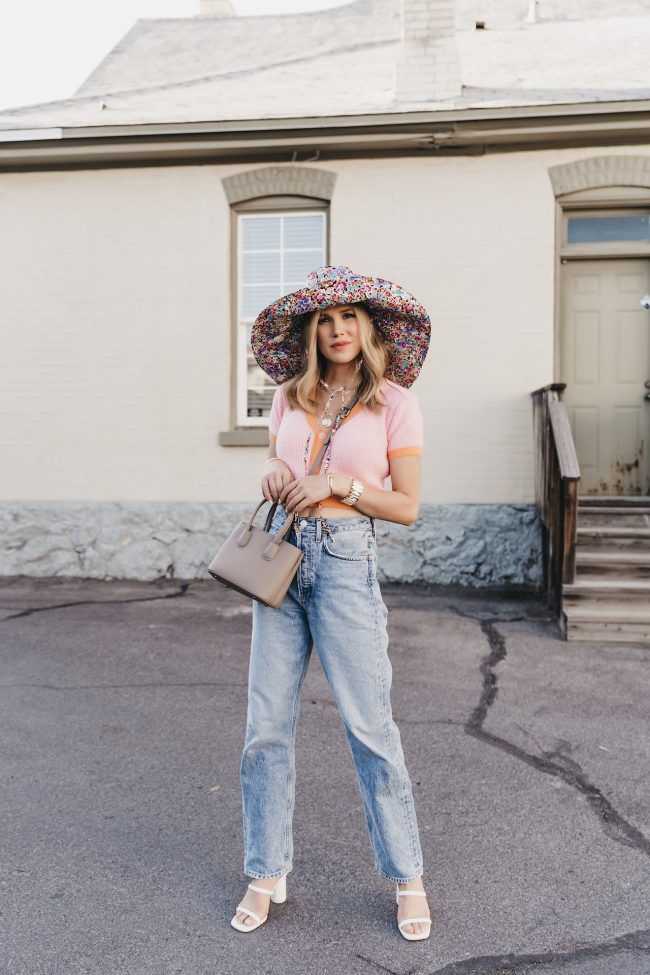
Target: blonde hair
300 389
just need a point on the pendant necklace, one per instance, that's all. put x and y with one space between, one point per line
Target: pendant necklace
325 421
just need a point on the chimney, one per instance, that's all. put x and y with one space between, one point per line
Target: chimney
215 8
428 66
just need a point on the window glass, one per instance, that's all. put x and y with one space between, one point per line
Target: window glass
261 233
304 231
260 267
583 230
255 297
276 253
298 264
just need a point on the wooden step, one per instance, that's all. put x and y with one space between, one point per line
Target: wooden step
613 501
614 517
617 511
609 600
621 613
612 563
628 537
583 591
610 608
592 628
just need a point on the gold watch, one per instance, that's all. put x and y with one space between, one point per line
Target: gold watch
355 492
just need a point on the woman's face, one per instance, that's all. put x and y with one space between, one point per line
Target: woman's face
338 334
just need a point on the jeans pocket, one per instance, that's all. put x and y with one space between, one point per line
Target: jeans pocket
350 546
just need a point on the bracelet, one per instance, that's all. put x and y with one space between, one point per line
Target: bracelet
355 492
329 481
269 459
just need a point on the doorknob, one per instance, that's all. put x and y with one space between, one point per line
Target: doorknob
647 384
647 396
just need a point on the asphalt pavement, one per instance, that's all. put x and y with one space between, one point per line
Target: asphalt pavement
122 721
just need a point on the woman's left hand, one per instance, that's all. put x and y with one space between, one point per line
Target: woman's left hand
304 492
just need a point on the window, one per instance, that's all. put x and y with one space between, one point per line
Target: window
610 226
279 233
601 228
276 250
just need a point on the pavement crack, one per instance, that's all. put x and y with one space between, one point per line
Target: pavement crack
489 690
182 591
556 763
498 618
384 968
512 963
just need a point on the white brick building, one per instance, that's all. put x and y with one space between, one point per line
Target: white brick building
460 152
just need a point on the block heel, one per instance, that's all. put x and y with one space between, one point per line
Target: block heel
278 895
279 892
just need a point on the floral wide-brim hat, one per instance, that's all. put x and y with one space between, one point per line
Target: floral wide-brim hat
400 319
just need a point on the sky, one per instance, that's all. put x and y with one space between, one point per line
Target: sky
49 47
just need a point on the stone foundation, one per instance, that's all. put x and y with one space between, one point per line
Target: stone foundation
463 544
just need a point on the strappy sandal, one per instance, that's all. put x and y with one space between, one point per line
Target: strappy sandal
412 935
278 895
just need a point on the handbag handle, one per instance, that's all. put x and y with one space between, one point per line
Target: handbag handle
245 536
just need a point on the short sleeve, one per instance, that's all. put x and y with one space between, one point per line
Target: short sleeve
405 432
278 407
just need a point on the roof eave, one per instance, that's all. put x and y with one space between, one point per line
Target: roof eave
497 128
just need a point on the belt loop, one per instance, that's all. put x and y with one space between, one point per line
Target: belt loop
372 525
318 527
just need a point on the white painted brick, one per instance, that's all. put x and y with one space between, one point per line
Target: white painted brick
216 8
115 346
428 65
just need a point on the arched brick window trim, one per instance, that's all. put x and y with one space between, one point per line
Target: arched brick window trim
279 181
589 174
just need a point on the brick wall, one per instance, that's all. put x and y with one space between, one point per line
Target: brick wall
216 8
115 346
428 67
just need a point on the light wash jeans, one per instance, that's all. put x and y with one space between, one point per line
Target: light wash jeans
334 602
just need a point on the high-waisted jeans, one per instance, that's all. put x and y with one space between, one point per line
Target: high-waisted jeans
334 602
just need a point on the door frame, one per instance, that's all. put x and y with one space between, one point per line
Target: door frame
620 180
597 199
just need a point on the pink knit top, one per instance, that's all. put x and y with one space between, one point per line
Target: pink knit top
362 447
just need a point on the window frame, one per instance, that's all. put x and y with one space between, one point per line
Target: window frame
600 201
267 206
603 247
604 197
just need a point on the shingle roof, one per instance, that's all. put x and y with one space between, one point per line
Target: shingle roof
342 62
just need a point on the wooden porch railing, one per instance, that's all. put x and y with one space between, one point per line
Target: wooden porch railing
557 475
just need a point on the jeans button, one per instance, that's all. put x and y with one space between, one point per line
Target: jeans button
303 522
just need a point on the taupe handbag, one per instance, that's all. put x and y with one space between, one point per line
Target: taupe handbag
256 562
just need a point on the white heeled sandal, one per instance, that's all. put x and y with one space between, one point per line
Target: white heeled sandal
412 935
278 895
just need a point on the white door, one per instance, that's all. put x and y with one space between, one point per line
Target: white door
605 363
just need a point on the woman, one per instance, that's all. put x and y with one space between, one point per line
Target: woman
342 336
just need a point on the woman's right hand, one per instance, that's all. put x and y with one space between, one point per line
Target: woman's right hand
277 475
